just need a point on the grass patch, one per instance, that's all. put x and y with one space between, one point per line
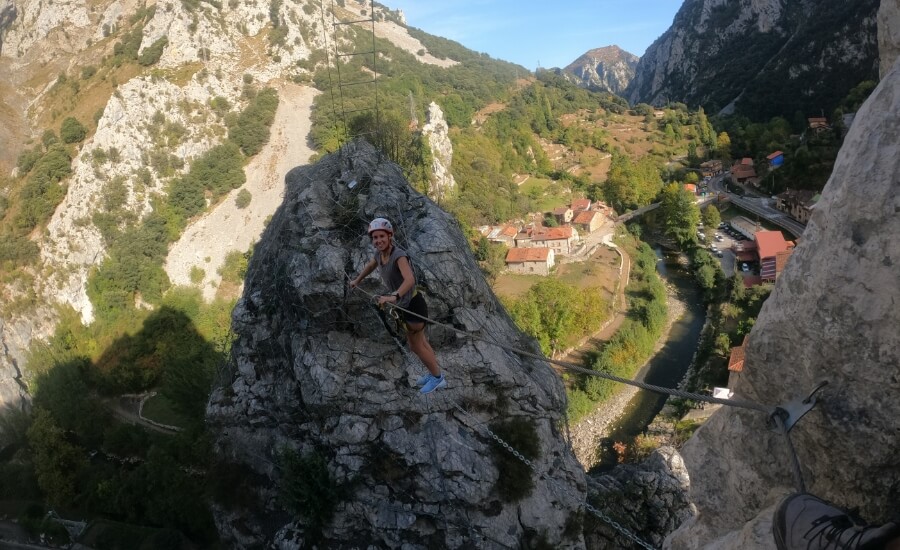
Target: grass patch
181 75
513 285
545 194
159 409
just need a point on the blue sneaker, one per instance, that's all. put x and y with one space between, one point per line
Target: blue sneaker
423 379
434 383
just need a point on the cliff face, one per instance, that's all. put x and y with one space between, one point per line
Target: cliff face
607 69
438 134
317 374
760 57
833 316
147 125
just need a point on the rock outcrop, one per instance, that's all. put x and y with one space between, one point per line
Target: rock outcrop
607 69
316 374
758 57
888 35
648 499
437 133
833 316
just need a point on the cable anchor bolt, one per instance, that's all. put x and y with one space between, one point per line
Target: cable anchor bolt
791 412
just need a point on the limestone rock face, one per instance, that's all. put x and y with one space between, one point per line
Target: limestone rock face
608 69
833 316
888 35
727 55
438 134
316 371
648 499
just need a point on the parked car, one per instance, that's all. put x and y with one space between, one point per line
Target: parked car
719 253
745 268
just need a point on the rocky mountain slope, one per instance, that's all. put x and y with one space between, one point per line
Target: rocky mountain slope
317 373
832 317
607 69
760 57
148 122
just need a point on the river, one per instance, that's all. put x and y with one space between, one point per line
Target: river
667 367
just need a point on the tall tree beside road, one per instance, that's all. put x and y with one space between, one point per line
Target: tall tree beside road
711 216
723 147
680 214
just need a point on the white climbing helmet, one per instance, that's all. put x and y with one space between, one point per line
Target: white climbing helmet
381 224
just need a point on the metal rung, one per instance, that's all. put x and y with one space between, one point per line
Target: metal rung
344 85
371 20
356 53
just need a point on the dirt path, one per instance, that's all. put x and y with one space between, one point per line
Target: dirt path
620 309
207 240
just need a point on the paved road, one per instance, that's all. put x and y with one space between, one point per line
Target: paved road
761 206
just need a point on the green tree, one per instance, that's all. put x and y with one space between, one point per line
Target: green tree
242 200
58 463
72 131
680 214
723 147
711 216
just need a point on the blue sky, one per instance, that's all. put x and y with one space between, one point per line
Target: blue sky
552 32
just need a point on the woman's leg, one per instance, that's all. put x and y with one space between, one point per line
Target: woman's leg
418 343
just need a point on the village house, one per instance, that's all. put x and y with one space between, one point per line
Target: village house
818 124
503 234
743 171
736 363
690 188
579 205
711 168
560 239
775 159
530 261
563 214
773 253
797 203
588 221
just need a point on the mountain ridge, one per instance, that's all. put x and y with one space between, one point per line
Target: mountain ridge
758 57
608 69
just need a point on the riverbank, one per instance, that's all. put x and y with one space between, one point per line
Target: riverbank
586 434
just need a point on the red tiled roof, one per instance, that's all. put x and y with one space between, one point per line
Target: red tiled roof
736 359
774 155
770 243
585 217
690 187
509 231
747 161
521 255
553 233
581 204
738 353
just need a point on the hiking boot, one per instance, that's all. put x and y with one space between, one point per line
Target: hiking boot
423 379
805 522
434 383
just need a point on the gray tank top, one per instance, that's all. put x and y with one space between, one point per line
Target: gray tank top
391 275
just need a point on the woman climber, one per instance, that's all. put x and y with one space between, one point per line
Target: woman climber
397 274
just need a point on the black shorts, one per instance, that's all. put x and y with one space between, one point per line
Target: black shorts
416 305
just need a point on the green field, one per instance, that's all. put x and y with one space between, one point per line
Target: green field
545 194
